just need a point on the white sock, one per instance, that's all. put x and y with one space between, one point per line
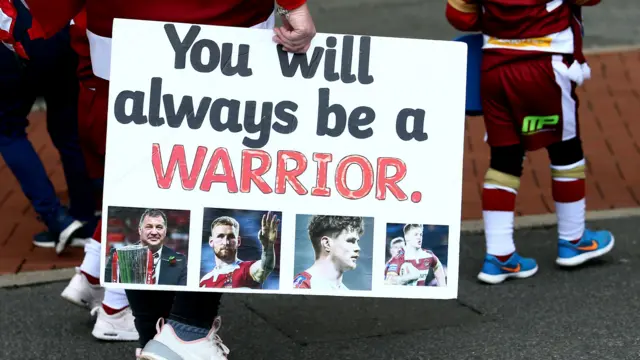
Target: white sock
91 262
498 232
571 218
115 298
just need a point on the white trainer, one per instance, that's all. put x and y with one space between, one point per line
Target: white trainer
166 345
82 293
116 327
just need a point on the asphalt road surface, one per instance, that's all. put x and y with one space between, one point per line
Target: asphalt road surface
613 22
589 313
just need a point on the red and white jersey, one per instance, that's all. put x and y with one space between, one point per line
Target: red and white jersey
522 28
235 275
307 280
424 261
54 15
8 17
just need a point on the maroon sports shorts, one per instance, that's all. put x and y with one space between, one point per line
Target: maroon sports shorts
530 102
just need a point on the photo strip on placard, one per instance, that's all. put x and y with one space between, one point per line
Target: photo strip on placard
147 246
416 255
240 249
333 253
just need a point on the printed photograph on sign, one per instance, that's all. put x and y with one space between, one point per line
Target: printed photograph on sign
147 246
240 249
416 255
333 253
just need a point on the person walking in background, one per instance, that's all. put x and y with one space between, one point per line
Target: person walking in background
532 63
32 66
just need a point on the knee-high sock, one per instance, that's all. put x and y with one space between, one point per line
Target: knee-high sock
568 190
115 299
498 205
91 263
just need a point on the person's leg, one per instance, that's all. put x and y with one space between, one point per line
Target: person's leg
568 187
35 73
60 90
61 96
501 184
193 314
148 307
84 288
115 320
85 285
576 244
191 330
17 96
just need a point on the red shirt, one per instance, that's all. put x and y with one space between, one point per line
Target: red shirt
54 15
236 275
80 44
425 261
306 280
521 28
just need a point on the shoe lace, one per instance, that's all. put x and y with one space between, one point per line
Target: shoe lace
213 337
95 310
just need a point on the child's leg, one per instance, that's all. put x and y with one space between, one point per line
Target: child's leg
501 184
568 187
576 244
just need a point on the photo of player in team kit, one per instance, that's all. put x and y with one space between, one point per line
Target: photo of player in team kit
333 253
240 249
411 255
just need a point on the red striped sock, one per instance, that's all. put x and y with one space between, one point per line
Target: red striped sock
97 234
110 310
92 279
498 205
569 196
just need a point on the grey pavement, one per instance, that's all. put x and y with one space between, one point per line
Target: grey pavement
588 313
614 22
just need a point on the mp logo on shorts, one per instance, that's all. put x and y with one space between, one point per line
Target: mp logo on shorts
535 124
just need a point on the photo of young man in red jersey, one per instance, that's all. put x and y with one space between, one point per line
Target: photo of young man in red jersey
336 244
414 265
532 62
231 272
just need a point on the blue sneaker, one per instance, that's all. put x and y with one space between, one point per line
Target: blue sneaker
494 271
60 223
592 245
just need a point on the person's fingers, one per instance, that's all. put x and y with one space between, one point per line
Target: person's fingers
297 45
291 38
280 37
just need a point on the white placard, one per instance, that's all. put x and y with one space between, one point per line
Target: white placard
250 124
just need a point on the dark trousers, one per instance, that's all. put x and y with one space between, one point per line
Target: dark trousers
50 73
191 308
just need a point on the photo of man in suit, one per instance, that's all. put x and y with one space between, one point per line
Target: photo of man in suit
169 267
